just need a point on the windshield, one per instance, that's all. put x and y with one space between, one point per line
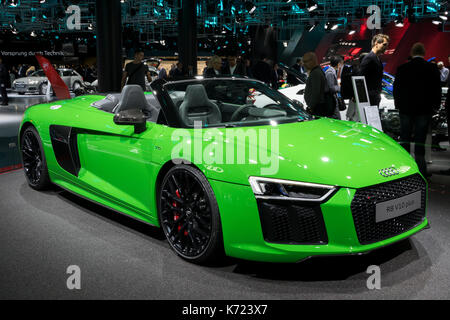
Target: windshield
39 73
233 102
294 77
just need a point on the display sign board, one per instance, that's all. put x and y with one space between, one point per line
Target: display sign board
373 117
366 113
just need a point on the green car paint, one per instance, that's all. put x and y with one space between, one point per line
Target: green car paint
119 169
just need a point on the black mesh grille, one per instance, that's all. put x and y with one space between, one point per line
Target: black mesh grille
363 209
289 222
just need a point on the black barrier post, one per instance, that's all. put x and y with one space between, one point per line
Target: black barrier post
187 35
109 45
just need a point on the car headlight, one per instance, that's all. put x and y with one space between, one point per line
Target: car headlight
276 189
33 82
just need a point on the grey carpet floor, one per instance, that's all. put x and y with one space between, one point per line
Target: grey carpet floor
42 233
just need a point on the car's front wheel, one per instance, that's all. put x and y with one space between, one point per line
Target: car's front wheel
76 86
43 88
189 215
33 159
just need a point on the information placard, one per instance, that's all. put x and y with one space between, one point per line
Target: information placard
366 113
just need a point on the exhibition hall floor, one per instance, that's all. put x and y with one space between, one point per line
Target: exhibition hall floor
42 233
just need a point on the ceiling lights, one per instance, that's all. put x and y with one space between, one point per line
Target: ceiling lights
399 22
250 7
312 26
312 5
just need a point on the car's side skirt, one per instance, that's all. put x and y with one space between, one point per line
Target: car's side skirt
92 196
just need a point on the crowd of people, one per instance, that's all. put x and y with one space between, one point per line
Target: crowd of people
416 89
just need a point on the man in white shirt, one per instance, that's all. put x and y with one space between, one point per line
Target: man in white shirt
444 73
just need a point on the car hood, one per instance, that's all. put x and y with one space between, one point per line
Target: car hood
323 151
28 79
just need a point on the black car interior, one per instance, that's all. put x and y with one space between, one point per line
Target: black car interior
132 97
213 103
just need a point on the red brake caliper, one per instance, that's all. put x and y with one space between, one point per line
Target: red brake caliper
176 216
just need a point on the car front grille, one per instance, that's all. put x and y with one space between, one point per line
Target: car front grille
364 203
290 222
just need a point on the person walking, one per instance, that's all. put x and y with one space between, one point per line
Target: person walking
177 72
444 73
447 109
22 71
372 68
298 66
277 76
30 70
215 69
417 93
4 78
316 86
262 70
332 81
162 74
234 68
136 71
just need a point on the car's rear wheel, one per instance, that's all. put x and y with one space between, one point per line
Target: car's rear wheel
33 159
189 215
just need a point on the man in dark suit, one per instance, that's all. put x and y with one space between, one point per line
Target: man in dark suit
233 67
299 66
4 79
178 72
447 108
417 94
316 86
372 68
262 70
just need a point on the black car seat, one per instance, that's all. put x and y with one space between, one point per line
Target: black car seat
132 97
196 106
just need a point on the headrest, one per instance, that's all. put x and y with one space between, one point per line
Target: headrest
196 96
132 97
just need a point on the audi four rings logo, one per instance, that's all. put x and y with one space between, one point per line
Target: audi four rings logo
388 172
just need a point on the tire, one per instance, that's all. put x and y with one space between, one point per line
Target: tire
76 85
33 159
43 88
189 215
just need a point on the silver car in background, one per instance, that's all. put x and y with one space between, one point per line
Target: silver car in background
37 82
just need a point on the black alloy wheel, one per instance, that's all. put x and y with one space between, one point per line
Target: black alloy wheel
189 215
33 159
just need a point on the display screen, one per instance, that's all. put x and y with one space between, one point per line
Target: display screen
361 90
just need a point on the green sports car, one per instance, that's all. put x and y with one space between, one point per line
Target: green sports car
228 166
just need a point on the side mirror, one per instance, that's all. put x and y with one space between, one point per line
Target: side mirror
132 117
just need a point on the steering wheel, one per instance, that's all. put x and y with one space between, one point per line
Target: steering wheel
240 110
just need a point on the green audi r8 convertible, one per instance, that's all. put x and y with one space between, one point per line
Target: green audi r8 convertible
228 166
